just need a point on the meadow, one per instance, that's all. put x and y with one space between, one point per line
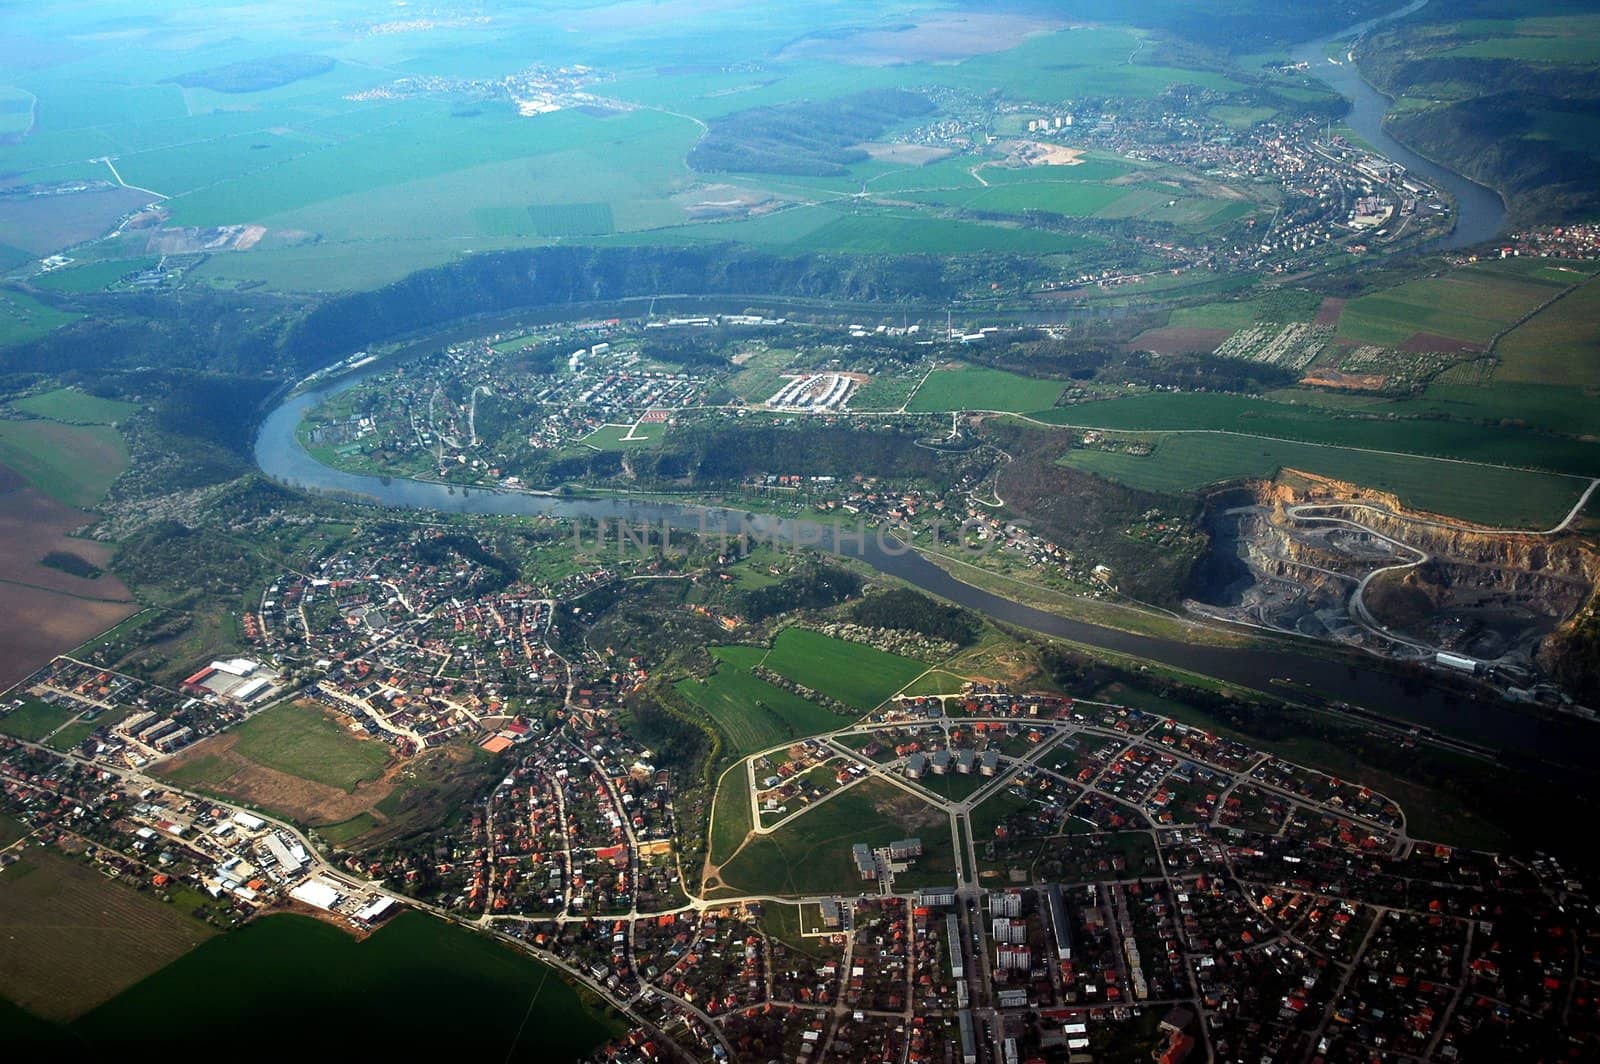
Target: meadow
72 464
74 938
24 318
302 740
75 407
479 997
1494 495
811 854
752 713
855 674
1433 437
977 388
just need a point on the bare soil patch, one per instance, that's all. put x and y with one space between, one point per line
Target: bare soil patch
43 610
909 154
1172 340
1332 378
941 38
1424 341
1328 314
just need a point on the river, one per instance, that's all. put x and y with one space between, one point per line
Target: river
1362 682
1480 212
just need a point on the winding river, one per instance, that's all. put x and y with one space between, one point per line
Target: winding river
1352 679
1356 680
1480 212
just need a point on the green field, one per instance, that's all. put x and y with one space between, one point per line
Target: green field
75 407
70 463
1488 494
610 437
73 938
23 318
752 713
92 277
1560 345
855 674
811 854
978 388
731 817
301 740
417 988
33 720
1491 444
1470 305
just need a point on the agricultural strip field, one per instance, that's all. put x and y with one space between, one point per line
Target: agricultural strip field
752 713
977 388
1559 346
1466 441
1469 305
70 938
72 464
855 674
1487 494
366 999
811 854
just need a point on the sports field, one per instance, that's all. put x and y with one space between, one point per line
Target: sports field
70 938
73 464
752 713
617 437
855 674
1491 495
978 388
811 854
416 988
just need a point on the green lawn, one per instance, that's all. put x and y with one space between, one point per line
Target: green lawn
33 721
73 464
731 819
302 741
855 674
75 407
1488 494
611 437
365 999
752 713
811 854
978 388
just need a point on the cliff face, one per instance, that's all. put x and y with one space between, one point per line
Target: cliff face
1333 559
